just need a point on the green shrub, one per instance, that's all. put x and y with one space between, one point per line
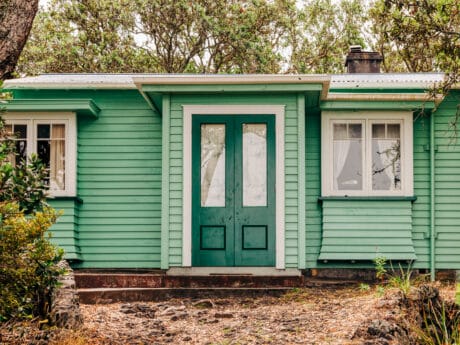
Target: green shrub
28 271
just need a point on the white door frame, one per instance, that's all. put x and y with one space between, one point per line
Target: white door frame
188 112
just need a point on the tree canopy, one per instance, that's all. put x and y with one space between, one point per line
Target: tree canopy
241 36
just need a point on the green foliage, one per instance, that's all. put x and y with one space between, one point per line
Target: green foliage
379 265
222 36
441 325
325 30
21 183
28 270
364 287
401 278
418 36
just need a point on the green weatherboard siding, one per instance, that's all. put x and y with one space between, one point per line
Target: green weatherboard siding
119 181
119 174
226 232
364 230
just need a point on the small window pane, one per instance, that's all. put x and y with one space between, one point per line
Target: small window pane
394 131
340 131
386 164
255 164
20 131
213 165
354 130
348 160
43 131
378 131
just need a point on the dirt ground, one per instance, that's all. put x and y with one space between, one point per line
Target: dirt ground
304 316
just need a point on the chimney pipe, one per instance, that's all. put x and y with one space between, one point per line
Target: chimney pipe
359 61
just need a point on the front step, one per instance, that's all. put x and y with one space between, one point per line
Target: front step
111 287
146 280
114 295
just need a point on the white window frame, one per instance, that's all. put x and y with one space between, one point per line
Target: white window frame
328 118
70 122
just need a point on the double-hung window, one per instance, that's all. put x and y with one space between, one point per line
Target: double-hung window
53 138
367 153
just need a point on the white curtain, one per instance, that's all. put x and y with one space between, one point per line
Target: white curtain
341 148
57 157
212 165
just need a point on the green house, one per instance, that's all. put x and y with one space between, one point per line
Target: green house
245 173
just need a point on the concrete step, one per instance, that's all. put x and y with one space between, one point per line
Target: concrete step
113 295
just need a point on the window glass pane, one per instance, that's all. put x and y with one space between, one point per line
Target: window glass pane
348 160
340 131
386 160
43 152
213 165
378 131
394 131
57 157
354 130
51 151
255 164
20 131
43 131
20 138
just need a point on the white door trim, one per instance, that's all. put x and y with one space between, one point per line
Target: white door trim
188 111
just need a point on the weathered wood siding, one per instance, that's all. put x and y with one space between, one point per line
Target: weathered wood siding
65 231
119 181
447 179
176 166
367 229
313 210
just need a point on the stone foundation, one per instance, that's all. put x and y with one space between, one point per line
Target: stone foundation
65 307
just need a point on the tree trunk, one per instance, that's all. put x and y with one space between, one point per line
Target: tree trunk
16 18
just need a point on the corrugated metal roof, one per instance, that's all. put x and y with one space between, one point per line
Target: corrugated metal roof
129 81
385 81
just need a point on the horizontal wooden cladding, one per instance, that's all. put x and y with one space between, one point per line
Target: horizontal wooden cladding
447 184
119 180
364 230
65 231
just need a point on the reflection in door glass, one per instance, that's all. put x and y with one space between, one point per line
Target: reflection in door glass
254 164
212 165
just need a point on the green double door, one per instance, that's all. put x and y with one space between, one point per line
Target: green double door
233 187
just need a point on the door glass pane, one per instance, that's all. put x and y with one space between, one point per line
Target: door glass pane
254 164
348 157
213 165
386 157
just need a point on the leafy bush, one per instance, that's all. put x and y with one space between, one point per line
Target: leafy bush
28 270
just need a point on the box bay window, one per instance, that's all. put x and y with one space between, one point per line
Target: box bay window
53 139
367 154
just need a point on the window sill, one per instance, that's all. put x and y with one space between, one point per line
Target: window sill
368 198
77 199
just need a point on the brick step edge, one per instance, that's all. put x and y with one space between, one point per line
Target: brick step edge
84 280
114 295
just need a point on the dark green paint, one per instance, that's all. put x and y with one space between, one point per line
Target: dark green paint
233 235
